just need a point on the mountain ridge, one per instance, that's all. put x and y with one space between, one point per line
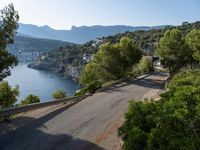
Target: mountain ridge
78 35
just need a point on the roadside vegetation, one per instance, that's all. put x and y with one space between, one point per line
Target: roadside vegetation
59 94
173 122
8 26
30 99
8 95
173 45
145 65
111 62
89 88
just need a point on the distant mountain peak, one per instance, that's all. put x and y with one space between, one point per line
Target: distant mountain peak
77 35
74 27
46 27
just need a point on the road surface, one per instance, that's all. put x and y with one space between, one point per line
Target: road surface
89 125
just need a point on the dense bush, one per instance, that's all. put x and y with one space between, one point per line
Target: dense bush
145 65
185 78
8 26
193 41
170 123
90 88
112 62
30 99
173 50
8 95
59 94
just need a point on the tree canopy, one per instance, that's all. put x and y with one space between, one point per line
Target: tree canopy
193 40
173 122
8 26
59 94
111 62
8 95
30 99
144 65
172 50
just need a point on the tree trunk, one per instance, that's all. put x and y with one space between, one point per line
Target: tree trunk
191 61
170 71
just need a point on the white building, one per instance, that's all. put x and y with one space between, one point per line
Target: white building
87 58
97 43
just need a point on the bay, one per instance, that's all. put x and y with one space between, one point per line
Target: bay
39 82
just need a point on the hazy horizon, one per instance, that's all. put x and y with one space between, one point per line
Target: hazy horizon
97 25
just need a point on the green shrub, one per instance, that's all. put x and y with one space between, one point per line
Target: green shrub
90 88
8 95
30 99
187 77
173 122
112 61
59 94
145 65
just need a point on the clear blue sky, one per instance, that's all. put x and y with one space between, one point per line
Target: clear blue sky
62 14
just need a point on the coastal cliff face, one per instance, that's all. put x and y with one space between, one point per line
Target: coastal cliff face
68 70
68 60
73 72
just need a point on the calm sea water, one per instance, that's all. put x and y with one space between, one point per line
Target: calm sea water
39 82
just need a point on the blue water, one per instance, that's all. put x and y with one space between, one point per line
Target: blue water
39 82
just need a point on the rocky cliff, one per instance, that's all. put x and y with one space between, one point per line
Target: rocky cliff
68 70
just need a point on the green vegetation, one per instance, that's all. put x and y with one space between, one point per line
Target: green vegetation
89 88
8 95
111 62
173 51
145 65
70 54
59 94
31 44
173 122
147 41
193 40
30 99
177 51
8 25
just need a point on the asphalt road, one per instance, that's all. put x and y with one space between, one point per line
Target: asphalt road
90 124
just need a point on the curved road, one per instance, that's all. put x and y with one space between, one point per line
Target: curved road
90 124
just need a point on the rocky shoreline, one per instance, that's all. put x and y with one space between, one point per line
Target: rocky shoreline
67 70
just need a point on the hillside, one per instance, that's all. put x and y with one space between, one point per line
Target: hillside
35 44
70 59
28 48
77 35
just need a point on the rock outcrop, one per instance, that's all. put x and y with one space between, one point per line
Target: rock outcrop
67 70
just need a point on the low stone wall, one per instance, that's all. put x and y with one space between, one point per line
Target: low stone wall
75 99
22 109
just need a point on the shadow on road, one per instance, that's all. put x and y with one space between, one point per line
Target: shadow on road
150 83
34 139
30 137
31 122
146 81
